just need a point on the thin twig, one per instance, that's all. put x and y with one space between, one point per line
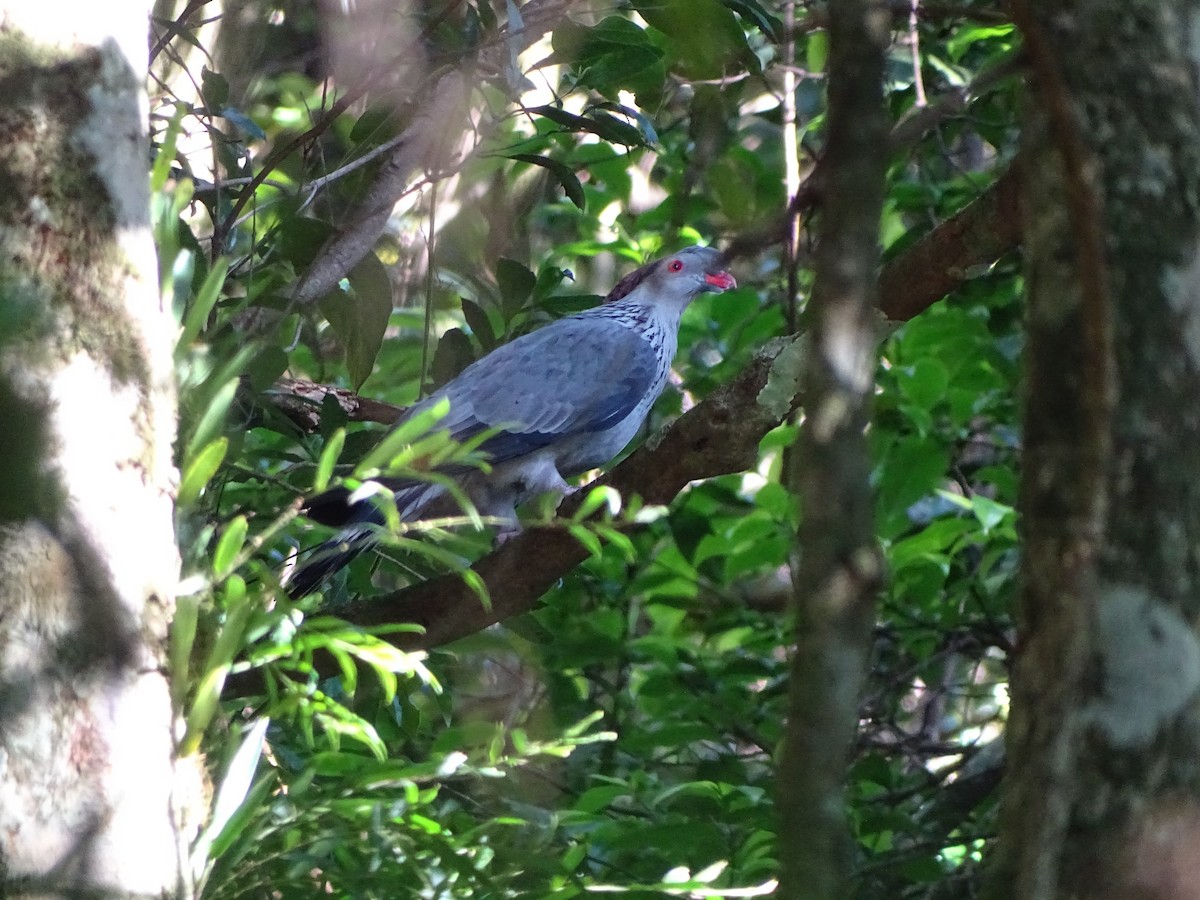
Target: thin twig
427 333
791 170
275 158
175 27
914 46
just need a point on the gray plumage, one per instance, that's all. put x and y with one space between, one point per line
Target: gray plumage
566 398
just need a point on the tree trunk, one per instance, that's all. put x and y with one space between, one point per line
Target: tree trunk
88 563
838 568
1102 795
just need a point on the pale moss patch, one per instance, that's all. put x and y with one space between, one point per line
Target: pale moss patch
785 378
1149 661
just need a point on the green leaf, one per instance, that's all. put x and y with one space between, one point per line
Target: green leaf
479 322
648 132
990 513
704 38
238 608
183 639
613 54
755 12
239 776
329 457
966 37
201 307
516 284
619 132
562 172
233 538
618 540
213 419
266 367
602 125
360 318
548 279
453 354
587 538
595 799
300 239
200 470
611 33
573 856
562 117
164 155
925 383
912 469
401 437
244 122
600 497
214 88
816 51
333 417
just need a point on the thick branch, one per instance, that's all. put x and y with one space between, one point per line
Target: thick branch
945 258
301 402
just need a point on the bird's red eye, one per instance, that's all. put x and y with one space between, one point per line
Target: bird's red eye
675 265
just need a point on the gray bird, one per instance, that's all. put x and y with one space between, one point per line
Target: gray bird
563 399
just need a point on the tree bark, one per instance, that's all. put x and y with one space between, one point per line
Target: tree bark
1101 799
838 566
88 563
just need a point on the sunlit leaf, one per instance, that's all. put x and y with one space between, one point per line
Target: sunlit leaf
562 173
360 317
200 471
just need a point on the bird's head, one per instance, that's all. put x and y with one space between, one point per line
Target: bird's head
681 276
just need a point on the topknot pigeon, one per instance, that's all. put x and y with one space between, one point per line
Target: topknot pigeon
562 400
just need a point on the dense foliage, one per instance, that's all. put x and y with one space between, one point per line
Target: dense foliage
623 735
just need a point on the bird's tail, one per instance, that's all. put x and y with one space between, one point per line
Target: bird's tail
359 520
331 556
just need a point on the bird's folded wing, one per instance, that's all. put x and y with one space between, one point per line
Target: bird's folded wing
575 376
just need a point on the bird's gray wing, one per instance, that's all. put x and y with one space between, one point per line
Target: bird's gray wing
573 376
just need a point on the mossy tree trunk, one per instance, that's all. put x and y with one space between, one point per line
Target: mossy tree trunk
1103 788
88 562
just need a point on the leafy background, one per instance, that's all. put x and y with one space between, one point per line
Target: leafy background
623 736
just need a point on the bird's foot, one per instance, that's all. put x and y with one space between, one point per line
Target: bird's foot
506 533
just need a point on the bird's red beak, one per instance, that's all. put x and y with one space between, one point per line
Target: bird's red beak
722 281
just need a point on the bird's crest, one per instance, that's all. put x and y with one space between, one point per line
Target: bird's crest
629 283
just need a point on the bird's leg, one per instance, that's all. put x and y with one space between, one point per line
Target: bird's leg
527 478
504 534
515 484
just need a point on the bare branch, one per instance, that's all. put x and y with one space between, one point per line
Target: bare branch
301 402
943 259
424 148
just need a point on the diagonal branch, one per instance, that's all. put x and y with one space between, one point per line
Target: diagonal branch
423 148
